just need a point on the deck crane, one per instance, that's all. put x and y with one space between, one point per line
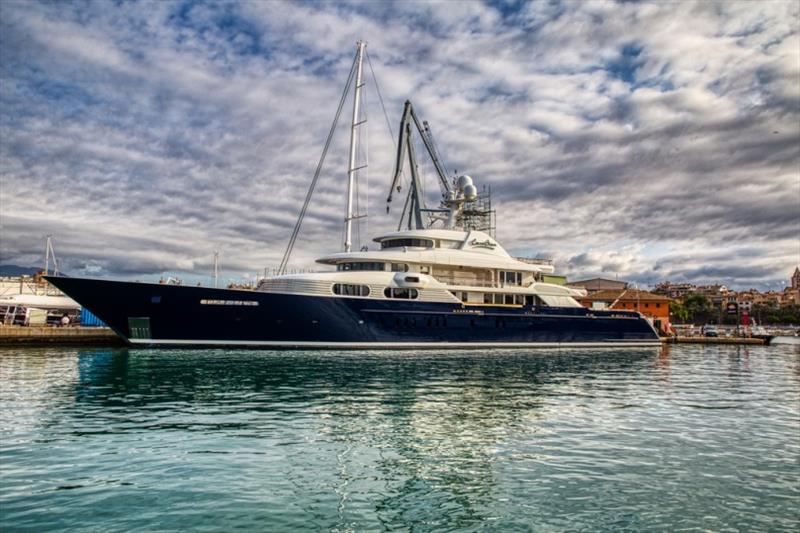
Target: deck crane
453 198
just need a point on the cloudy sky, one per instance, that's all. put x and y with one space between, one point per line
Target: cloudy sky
645 141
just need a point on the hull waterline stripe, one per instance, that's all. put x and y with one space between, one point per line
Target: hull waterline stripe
322 344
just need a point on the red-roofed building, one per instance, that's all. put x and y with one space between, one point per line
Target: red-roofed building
653 306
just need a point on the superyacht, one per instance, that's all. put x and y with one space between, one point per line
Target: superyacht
440 281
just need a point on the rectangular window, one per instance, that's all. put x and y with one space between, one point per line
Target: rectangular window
406 243
510 278
358 266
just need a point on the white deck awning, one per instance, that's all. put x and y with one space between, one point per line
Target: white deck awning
559 301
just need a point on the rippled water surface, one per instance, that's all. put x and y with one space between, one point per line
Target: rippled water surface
683 437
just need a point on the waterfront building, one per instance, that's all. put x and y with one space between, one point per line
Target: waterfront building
654 306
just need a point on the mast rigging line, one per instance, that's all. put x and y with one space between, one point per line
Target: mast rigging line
380 98
289 247
383 107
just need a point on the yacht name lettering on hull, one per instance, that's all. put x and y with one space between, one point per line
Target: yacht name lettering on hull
489 245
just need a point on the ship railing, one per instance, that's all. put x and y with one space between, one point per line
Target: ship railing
450 282
460 282
535 260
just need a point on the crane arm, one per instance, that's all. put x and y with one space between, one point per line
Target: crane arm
427 140
401 149
403 146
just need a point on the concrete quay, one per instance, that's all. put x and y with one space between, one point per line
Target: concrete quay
48 335
716 340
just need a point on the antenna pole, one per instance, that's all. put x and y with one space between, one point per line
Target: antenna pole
216 267
351 168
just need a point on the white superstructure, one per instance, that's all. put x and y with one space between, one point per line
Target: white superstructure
433 265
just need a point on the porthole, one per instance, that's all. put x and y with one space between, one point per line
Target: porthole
401 293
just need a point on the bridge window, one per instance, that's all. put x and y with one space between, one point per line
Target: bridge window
346 289
511 278
361 266
506 299
410 243
406 294
399 267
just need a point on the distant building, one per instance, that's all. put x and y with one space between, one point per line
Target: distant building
718 294
675 291
746 299
791 294
598 284
654 306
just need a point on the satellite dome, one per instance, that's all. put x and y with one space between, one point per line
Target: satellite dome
470 192
463 181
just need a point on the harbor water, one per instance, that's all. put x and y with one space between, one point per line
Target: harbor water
683 437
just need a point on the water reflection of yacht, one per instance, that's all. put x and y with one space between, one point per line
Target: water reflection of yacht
443 281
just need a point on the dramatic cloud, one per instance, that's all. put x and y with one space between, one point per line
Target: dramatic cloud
645 141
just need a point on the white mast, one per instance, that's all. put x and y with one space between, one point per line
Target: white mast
351 167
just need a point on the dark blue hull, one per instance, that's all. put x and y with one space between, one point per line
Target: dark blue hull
151 314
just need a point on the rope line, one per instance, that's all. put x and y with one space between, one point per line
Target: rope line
289 247
385 114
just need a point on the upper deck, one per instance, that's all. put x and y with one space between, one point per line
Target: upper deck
472 249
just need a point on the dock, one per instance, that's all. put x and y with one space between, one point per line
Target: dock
717 340
65 336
